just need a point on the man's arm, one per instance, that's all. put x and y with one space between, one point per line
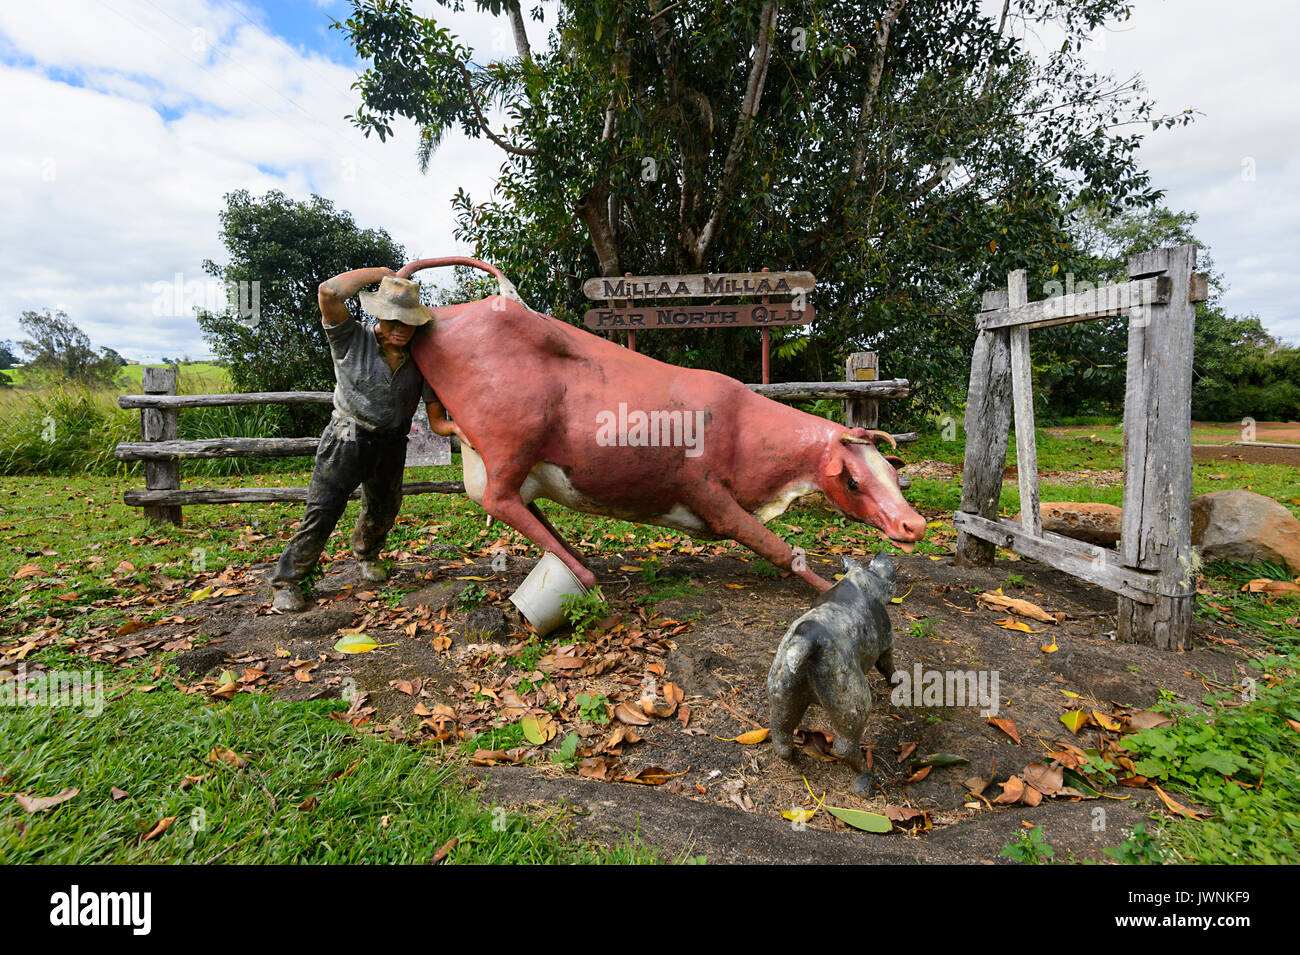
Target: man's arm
332 293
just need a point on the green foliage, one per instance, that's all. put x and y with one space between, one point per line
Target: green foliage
583 610
1138 848
626 149
60 353
235 421
289 248
1243 763
66 431
471 597
1031 848
567 752
592 708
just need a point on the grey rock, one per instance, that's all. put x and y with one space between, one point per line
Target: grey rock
826 655
1242 525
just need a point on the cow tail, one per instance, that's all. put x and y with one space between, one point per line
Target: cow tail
505 288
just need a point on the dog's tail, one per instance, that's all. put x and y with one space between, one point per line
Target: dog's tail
505 288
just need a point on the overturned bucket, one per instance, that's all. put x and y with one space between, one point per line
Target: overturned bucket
547 584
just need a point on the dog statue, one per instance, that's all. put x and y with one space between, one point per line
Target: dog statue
826 655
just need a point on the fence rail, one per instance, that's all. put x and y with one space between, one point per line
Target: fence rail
162 451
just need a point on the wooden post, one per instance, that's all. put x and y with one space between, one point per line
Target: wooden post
862 412
160 424
1022 394
988 416
1155 531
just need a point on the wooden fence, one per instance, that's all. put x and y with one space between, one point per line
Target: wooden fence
1152 570
162 451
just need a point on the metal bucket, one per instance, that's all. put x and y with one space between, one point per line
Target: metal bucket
538 597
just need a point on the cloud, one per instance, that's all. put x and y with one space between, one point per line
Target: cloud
126 123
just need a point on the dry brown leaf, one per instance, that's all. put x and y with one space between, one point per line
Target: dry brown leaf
1176 807
159 828
1012 791
1007 726
625 714
1015 605
42 803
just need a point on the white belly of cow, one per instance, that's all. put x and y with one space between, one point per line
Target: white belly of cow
547 480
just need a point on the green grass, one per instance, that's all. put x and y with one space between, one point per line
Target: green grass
313 790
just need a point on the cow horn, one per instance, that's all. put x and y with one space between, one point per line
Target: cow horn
873 437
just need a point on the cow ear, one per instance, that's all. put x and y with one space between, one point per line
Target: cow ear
834 463
897 462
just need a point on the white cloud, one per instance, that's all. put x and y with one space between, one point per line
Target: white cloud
1237 68
127 121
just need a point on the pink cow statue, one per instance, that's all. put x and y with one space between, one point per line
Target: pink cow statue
544 409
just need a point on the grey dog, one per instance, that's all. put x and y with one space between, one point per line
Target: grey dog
826 655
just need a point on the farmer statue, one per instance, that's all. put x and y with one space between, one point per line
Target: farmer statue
378 389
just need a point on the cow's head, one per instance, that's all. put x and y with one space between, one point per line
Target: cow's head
861 483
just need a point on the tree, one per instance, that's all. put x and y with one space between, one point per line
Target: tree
59 352
908 153
279 251
8 359
1239 369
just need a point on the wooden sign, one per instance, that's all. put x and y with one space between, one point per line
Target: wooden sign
698 286
697 316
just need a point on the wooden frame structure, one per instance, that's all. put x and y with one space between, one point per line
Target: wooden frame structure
1152 571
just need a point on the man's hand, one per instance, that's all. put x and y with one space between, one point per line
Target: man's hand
332 293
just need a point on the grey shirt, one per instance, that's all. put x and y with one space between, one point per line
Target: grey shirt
367 390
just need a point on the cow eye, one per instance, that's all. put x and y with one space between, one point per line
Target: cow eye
853 485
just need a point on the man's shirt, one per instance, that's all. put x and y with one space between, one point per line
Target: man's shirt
367 390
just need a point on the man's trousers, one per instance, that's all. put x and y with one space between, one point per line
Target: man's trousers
347 456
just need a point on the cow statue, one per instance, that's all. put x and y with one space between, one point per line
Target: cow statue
546 409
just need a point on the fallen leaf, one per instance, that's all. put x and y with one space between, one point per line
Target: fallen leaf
444 850
1015 605
861 819
219 754
1012 791
538 730
625 714
42 803
1176 807
1007 726
1074 720
749 739
159 828
1149 719
117 793
652 776
358 643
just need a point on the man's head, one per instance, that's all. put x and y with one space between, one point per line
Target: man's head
397 307
397 334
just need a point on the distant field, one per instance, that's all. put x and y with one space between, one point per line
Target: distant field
198 378
1203 432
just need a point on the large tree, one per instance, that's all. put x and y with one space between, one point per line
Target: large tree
59 352
908 152
279 251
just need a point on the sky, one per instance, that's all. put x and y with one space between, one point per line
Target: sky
127 121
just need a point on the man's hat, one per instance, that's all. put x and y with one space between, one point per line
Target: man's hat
398 300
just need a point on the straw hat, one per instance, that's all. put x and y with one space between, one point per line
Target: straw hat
398 300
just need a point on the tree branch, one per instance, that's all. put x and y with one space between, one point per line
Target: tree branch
869 94
697 245
482 120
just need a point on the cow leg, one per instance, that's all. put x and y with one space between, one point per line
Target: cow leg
726 518
537 513
509 507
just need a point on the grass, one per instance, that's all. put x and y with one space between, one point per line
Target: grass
310 790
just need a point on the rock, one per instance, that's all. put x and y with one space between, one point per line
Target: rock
1094 523
1242 525
1084 521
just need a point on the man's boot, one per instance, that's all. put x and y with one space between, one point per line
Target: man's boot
289 598
372 571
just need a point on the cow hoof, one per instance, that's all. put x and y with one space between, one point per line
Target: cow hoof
289 599
372 571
